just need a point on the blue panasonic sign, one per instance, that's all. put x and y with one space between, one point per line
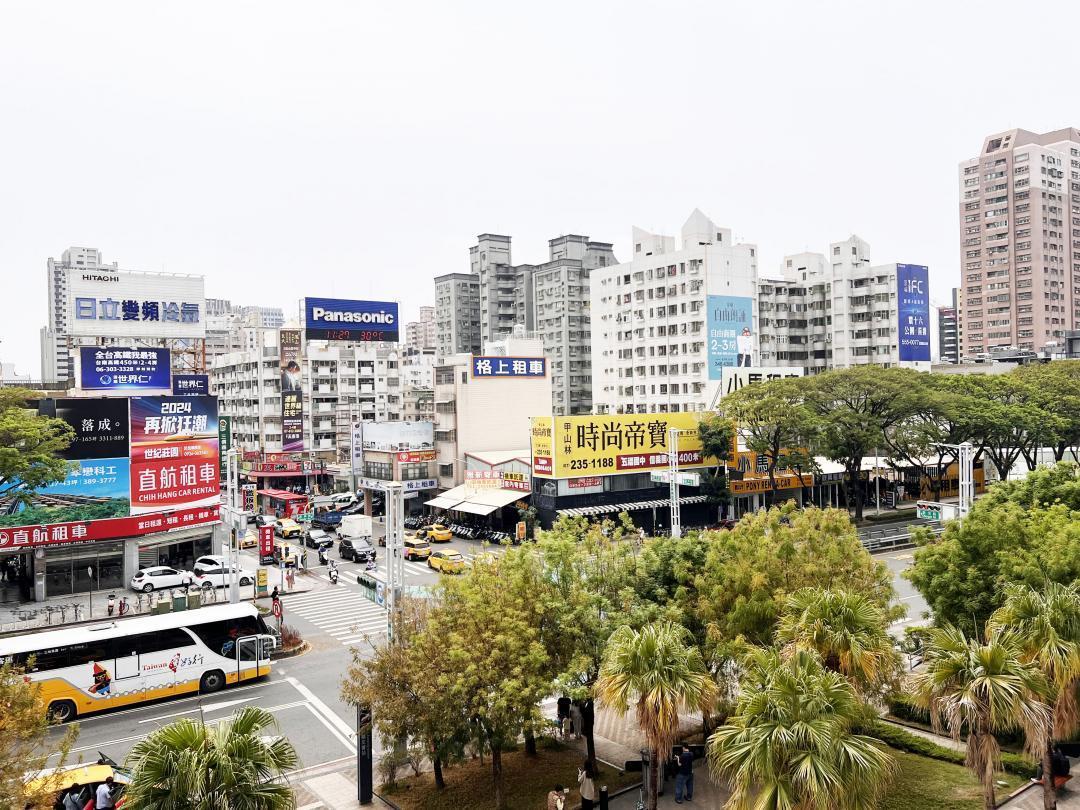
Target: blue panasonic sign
342 319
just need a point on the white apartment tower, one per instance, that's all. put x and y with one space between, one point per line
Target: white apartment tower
420 335
457 314
650 339
57 363
1020 242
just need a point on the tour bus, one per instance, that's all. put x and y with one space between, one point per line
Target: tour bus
95 667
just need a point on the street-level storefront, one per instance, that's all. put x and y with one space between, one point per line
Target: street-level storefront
490 506
65 559
292 472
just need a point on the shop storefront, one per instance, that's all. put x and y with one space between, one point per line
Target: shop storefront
292 472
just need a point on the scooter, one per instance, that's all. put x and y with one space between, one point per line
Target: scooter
322 557
333 574
371 566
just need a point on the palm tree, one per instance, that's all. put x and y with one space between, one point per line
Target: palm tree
1048 624
195 766
660 670
987 687
790 742
847 630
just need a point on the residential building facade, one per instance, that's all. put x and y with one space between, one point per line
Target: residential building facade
1020 242
457 314
948 333
420 335
57 361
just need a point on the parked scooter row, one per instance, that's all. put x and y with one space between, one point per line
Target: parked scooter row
470 531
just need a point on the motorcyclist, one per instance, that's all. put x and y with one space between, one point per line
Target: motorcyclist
333 573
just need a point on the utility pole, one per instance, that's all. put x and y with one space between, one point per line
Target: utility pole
395 560
965 463
673 471
232 470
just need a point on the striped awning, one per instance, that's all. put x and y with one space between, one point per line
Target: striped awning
614 508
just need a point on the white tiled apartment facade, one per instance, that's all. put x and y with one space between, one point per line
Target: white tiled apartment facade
649 336
1020 241
457 314
341 383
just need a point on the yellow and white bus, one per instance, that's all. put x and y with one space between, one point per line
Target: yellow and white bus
96 667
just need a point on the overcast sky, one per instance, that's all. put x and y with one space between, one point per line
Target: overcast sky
355 149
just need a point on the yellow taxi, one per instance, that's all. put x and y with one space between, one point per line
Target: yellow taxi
437 533
446 561
285 552
287 527
416 549
84 777
250 539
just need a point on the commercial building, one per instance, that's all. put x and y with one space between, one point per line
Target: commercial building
483 402
228 324
57 363
394 451
457 314
1020 241
420 335
338 383
652 318
948 332
838 310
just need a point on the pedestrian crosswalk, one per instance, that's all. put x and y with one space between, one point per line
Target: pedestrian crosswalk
343 613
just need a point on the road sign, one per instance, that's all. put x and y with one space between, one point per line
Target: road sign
686 479
276 609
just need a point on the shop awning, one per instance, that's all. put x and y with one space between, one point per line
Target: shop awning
474 508
613 508
283 494
442 502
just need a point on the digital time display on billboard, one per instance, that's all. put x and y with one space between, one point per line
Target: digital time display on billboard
348 320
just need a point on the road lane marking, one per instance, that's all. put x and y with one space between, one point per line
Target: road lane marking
209 708
338 727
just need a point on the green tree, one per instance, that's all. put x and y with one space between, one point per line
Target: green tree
775 423
982 688
751 570
791 744
24 748
496 666
854 408
717 435
30 445
1024 532
662 673
1008 419
191 765
1047 622
848 631
399 684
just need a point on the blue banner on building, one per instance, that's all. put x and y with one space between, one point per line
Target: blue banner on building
191 385
105 368
341 319
913 311
509 366
730 326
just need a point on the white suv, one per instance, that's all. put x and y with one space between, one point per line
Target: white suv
160 576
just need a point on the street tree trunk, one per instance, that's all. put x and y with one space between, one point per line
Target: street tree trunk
654 777
1049 792
588 719
497 777
436 766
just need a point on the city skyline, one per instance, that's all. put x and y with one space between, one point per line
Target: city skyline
790 160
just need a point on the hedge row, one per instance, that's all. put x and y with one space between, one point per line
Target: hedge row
904 740
901 707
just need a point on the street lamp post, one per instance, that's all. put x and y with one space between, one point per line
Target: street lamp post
965 462
232 470
395 560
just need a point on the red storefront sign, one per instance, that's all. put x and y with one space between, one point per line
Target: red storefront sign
266 541
413 456
584 483
88 531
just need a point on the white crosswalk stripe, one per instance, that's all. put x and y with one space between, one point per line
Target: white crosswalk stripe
343 614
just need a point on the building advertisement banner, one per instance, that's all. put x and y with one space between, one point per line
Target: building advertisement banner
730 333
344 319
175 459
397 436
356 435
266 541
617 443
913 311
733 377
509 366
116 303
292 391
415 456
191 385
123 369
110 529
542 445
100 425
225 444
748 486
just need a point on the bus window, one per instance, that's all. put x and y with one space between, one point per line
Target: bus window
215 635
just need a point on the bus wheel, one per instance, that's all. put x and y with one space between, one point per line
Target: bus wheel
62 711
212 681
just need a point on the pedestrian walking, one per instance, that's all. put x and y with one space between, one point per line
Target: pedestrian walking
684 775
575 719
586 786
556 799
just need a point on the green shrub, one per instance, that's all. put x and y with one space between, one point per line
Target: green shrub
904 740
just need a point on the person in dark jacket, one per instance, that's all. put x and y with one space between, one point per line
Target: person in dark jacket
684 775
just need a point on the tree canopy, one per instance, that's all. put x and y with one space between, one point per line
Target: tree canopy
30 445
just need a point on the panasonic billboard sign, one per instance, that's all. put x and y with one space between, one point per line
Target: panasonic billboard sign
348 320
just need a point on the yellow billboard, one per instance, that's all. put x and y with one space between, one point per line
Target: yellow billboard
611 444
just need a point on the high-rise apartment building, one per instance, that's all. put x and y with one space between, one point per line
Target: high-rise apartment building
650 337
1020 241
504 289
420 335
457 314
57 362
948 334
232 328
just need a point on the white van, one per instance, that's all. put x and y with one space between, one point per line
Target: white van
354 526
343 499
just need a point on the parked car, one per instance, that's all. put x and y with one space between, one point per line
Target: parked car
159 577
265 520
317 538
416 549
221 577
356 549
343 499
85 777
208 561
287 527
326 520
356 509
446 561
